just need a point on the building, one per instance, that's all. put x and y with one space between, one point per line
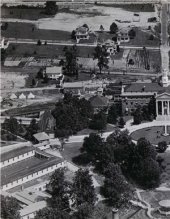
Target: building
4 43
41 137
82 33
111 47
54 72
123 36
163 106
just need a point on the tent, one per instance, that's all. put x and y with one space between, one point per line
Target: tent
13 96
22 96
31 96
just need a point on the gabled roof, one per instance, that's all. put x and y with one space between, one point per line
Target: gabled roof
163 96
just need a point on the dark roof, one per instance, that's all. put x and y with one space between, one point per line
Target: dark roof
149 87
26 167
99 101
16 152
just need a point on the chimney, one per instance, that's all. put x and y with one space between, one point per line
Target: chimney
115 213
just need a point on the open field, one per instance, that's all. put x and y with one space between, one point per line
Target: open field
152 134
30 31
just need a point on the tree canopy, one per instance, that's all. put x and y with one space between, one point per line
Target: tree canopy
99 121
113 28
9 208
71 115
83 189
51 213
112 114
51 8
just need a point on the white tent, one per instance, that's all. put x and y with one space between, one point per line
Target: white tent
31 96
13 96
22 96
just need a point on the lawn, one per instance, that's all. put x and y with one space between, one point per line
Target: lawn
152 134
30 31
71 150
30 13
50 51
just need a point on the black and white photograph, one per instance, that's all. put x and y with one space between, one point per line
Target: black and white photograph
85 109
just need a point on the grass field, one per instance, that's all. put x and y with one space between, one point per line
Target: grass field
30 31
152 134
50 51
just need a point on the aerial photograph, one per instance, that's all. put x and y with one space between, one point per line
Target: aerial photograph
85 109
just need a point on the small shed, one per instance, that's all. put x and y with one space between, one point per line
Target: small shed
41 136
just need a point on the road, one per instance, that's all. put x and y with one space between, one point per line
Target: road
53 42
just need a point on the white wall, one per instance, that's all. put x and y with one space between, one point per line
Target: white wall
32 176
17 159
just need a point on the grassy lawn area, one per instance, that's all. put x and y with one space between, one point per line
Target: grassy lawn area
142 39
152 134
30 31
50 51
30 13
71 150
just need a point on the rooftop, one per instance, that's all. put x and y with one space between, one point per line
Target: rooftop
99 101
165 203
16 152
42 136
146 87
54 70
33 208
26 167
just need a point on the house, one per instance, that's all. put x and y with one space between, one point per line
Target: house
82 33
4 43
111 47
54 72
123 36
41 137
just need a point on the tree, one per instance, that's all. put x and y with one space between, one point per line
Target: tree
73 35
101 55
84 211
40 74
71 66
113 28
3 55
152 108
98 122
33 82
39 43
9 208
132 33
121 122
51 8
72 114
51 213
59 190
93 145
32 130
112 114
46 78
116 189
157 29
86 26
169 28
137 116
83 189
101 28
162 146
11 125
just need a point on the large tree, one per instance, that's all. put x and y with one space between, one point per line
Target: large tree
116 189
59 190
32 129
113 28
112 114
92 146
71 115
51 8
83 189
101 55
84 211
99 121
71 65
9 208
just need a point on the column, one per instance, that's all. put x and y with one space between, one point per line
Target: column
168 107
162 108
156 108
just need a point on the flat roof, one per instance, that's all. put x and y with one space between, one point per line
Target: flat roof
41 136
26 167
54 70
33 208
165 203
16 152
148 87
